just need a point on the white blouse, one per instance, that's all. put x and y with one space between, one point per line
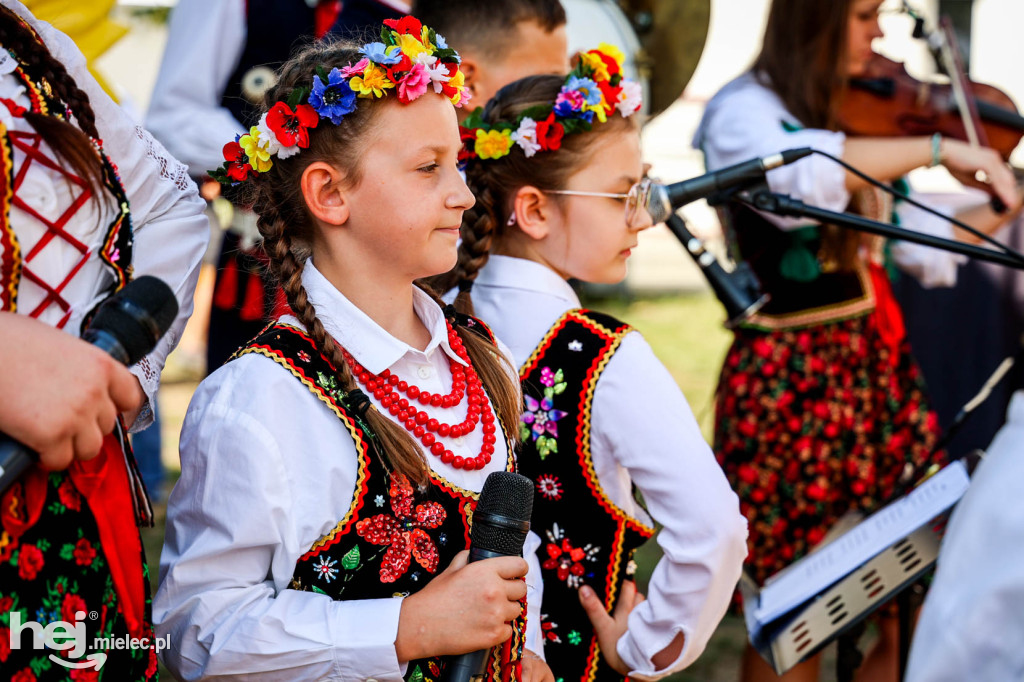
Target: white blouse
745 120
267 470
971 626
170 228
643 432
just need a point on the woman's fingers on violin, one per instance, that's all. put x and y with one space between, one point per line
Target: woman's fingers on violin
1004 184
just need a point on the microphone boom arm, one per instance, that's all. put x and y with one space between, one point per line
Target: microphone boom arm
785 205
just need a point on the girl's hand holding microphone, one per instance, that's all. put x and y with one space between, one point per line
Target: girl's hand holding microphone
466 608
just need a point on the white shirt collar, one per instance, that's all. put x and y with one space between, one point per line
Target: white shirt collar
367 341
527 275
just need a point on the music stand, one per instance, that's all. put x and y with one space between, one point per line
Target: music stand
789 635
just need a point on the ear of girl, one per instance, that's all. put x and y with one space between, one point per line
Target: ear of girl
348 442
560 194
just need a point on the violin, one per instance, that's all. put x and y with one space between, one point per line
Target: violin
888 101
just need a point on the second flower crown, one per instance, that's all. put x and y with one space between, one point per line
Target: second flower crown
594 89
410 59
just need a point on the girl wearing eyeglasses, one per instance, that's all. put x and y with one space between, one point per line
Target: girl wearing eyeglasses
556 169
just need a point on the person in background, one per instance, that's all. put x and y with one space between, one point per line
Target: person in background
820 404
500 42
81 219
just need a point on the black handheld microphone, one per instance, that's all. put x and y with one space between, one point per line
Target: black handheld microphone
500 524
665 199
127 326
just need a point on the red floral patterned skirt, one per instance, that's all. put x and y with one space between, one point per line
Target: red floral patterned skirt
812 423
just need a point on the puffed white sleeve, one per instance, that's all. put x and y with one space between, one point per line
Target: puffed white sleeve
204 43
171 231
747 120
534 581
642 418
233 539
930 266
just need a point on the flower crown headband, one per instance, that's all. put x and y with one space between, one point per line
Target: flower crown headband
595 88
409 59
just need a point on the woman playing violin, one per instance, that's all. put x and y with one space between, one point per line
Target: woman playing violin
820 402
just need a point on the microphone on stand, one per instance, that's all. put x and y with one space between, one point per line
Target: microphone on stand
665 199
738 290
500 524
127 326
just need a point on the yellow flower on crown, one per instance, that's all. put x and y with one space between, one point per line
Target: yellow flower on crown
425 39
458 81
612 51
257 150
598 109
595 63
373 82
411 46
493 144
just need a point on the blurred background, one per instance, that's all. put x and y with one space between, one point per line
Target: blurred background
684 51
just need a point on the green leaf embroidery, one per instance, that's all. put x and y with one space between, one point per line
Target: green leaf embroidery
559 376
524 431
417 675
316 589
351 559
560 388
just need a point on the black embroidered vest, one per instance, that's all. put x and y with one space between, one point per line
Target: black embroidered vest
826 297
586 538
395 537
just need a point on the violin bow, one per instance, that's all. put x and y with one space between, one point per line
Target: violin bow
954 65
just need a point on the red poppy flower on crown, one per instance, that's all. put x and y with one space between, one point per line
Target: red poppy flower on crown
409 60
594 89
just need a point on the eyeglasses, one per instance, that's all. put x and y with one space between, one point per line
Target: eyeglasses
639 196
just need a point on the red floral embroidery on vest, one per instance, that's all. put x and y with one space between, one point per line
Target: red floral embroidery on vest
404 531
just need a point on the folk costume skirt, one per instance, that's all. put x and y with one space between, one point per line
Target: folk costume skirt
70 551
812 423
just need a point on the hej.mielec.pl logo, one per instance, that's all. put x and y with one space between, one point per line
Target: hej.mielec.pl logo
70 638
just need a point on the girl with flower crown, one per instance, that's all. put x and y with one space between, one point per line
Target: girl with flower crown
330 470
556 169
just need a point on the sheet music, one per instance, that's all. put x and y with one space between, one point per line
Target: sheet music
815 572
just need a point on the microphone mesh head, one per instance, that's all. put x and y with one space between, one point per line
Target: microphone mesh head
508 495
138 315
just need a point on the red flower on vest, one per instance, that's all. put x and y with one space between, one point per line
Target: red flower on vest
404 532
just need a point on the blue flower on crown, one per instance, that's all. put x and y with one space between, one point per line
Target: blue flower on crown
440 41
335 99
381 54
570 104
586 87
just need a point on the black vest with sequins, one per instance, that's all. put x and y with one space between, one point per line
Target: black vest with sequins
586 538
395 537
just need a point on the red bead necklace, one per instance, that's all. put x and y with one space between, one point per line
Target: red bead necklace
388 389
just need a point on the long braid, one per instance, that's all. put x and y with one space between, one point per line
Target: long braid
66 140
479 225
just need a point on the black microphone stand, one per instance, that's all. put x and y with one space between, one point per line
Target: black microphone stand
785 205
761 198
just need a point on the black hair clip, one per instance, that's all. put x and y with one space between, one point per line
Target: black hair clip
465 286
357 403
450 313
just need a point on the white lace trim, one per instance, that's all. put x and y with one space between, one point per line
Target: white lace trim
170 167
